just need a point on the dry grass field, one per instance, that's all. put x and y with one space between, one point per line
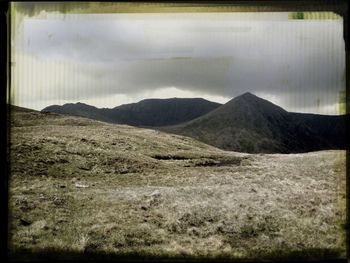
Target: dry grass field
82 186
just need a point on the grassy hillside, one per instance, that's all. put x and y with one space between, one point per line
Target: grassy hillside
80 187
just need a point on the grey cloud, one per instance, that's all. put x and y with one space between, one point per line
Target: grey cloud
298 62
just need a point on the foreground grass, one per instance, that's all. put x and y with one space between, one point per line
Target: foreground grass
84 188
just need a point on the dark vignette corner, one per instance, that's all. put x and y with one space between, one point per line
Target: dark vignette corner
5 72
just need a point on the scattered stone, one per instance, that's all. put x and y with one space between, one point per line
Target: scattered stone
81 185
62 160
156 193
25 222
85 166
123 171
22 202
24 205
42 196
59 201
154 198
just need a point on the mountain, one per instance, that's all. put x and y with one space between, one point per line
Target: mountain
78 109
149 112
246 123
330 128
251 124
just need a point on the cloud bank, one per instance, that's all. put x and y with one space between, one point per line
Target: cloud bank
111 59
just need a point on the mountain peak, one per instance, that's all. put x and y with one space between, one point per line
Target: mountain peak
248 101
247 95
246 98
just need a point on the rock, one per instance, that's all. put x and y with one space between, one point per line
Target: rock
22 202
25 222
63 160
156 193
85 166
154 198
81 185
58 201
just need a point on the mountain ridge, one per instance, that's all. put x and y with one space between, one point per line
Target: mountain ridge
145 113
246 123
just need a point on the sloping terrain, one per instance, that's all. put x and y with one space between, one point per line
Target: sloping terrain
79 186
248 123
331 128
149 112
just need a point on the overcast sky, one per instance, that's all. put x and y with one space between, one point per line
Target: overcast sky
110 59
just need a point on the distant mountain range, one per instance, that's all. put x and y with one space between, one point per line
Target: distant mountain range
146 113
246 123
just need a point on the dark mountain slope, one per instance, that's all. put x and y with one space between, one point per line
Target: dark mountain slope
248 123
330 128
149 112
